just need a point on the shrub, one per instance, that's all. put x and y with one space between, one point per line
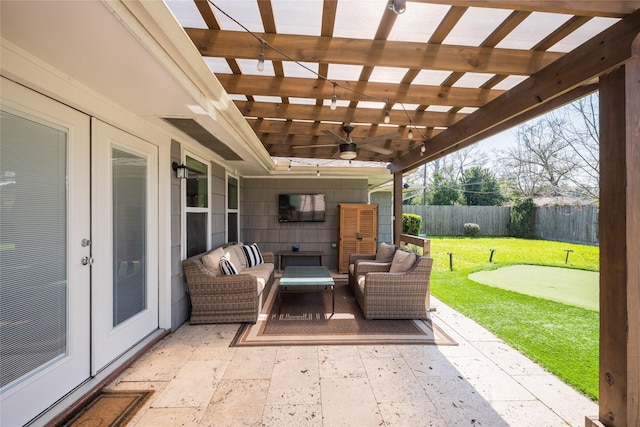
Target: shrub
471 230
522 222
411 224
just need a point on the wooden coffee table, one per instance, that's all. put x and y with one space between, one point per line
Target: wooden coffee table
306 279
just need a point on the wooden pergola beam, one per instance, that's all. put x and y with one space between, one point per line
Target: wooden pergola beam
620 246
371 53
298 128
356 91
357 115
609 8
599 55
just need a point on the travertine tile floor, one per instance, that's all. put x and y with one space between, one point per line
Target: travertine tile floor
200 381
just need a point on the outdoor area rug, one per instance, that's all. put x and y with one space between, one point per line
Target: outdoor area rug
306 319
109 408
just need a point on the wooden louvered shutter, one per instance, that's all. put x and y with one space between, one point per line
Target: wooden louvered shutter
358 232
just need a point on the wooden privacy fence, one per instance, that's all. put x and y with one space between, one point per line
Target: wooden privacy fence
449 220
568 223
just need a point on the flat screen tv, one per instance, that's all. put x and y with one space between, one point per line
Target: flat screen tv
301 207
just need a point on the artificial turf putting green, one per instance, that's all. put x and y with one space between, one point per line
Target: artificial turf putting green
569 286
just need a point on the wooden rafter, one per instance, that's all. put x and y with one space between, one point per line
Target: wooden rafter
370 53
355 91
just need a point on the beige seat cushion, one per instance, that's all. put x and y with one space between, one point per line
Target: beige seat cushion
262 272
402 261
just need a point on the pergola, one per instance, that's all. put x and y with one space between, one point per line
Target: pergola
447 74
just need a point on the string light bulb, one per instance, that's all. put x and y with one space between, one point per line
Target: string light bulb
423 148
334 100
410 133
261 58
398 6
387 117
317 170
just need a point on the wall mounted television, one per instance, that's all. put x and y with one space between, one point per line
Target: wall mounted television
301 208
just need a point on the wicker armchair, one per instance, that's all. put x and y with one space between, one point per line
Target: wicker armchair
385 295
217 298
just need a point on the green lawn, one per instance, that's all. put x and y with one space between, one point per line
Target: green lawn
562 338
474 252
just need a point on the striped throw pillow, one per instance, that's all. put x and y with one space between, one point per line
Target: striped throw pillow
227 267
253 255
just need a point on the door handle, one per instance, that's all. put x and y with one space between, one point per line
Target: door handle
86 260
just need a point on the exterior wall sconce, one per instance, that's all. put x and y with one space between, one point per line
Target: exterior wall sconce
181 170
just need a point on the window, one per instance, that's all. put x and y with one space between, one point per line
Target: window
197 210
233 209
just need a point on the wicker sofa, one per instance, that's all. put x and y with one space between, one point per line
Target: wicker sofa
230 298
387 291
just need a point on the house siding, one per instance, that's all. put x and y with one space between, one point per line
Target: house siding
259 213
384 200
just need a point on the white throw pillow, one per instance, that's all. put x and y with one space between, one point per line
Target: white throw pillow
252 254
227 267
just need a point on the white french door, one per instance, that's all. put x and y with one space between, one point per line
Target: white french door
44 252
125 242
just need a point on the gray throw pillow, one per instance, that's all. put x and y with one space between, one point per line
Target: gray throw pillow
402 261
385 252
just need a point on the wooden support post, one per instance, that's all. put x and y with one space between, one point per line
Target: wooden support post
620 245
397 207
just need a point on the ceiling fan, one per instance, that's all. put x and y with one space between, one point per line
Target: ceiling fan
348 148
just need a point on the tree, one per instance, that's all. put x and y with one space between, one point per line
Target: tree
443 192
556 155
449 170
522 215
581 131
540 162
480 188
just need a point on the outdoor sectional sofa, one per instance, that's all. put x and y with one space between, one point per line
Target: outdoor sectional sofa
395 287
217 297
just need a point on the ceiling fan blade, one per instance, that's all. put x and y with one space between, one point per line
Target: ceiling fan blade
314 146
375 149
377 138
335 136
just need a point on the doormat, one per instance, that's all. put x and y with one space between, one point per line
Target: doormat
109 408
306 319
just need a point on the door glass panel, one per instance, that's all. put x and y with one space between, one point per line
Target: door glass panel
33 241
129 174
